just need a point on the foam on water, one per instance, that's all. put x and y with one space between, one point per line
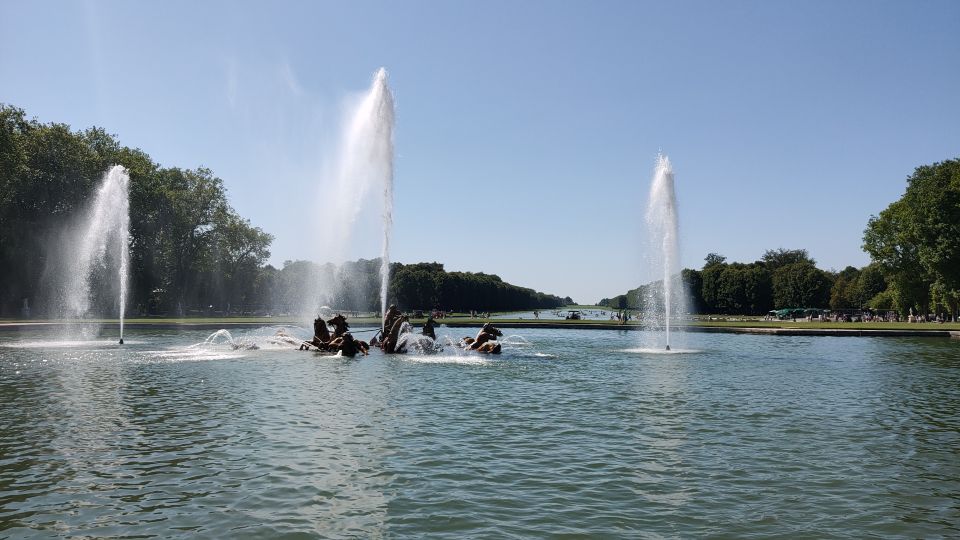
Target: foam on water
473 359
515 340
63 344
194 355
657 351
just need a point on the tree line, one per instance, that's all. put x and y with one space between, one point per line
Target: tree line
914 246
428 285
187 245
190 251
355 286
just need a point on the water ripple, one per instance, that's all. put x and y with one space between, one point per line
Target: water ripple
564 434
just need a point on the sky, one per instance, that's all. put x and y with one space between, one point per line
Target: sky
526 132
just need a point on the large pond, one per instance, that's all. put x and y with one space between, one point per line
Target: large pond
568 432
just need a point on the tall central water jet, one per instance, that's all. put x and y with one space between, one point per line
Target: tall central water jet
365 162
101 247
663 226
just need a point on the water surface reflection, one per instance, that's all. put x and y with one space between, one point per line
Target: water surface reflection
564 433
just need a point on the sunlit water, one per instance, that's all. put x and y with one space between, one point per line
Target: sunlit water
566 433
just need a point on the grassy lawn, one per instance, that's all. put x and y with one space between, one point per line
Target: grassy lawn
731 322
829 325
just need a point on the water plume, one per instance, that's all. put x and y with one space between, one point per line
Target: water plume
664 253
364 164
100 248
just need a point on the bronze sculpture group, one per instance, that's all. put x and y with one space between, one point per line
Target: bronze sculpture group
341 341
389 338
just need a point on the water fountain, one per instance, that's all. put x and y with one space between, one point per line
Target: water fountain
364 163
100 247
664 255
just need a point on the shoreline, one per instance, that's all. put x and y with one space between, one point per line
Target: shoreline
728 328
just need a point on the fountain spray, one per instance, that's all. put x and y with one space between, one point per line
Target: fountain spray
664 233
385 132
364 164
104 239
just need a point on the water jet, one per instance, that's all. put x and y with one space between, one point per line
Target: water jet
364 163
664 253
101 247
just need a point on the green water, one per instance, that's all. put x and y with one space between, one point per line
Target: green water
564 435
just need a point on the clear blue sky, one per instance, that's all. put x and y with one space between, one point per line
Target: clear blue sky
527 131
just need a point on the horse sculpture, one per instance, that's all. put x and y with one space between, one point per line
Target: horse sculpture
428 329
321 336
341 341
485 341
389 343
339 324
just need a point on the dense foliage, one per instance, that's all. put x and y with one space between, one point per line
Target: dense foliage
355 286
191 253
188 246
426 285
781 279
916 240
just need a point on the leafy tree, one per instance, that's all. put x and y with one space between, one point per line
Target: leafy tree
241 250
854 288
693 281
800 284
736 288
846 292
713 259
189 249
775 258
871 282
916 240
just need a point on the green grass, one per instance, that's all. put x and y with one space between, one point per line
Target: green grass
729 322
829 325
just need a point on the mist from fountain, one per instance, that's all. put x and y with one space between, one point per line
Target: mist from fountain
101 246
664 253
364 164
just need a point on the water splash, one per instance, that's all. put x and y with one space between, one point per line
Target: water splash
220 336
664 230
102 242
364 163
223 337
418 344
517 340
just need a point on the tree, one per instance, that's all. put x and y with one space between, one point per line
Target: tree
693 281
800 284
736 288
916 240
187 246
195 199
713 259
775 258
241 250
428 285
846 292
